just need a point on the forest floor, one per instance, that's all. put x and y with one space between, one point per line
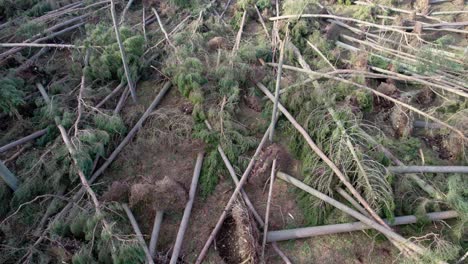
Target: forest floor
212 81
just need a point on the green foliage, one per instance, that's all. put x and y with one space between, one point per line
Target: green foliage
30 29
11 94
12 8
60 229
181 3
365 13
457 197
263 4
297 7
130 253
345 2
430 60
84 256
105 63
378 61
244 4
236 20
111 124
5 196
365 99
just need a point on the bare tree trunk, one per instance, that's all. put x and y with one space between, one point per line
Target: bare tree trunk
26 139
267 213
155 233
122 53
9 178
138 233
305 232
188 210
429 169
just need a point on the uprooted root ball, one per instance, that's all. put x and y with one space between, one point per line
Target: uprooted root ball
117 192
163 195
262 168
237 239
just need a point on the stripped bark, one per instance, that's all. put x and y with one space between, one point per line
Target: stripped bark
10 179
21 141
155 233
267 213
122 52
305 232
428 169
138 233
187 211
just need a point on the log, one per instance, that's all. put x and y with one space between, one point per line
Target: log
111 94
428 169
242 181
365 220
305 232
188 210
26 139
267 213
155 233
9 178
278 86
138 233
122 52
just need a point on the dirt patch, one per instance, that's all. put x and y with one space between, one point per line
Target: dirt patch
237 239
166 194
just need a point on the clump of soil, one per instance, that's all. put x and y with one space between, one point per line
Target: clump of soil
253 102
332 31
117 192
218 43
163 195
262 168
425 96
402 121
452 146
237 239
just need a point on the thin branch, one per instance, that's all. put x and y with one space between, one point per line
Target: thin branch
163 30
124 12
